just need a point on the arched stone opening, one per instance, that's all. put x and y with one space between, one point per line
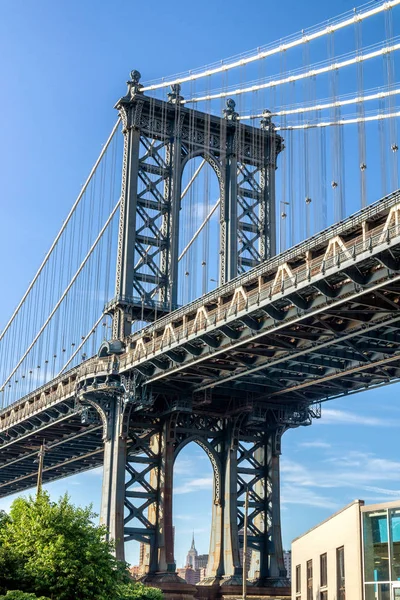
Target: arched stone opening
196 503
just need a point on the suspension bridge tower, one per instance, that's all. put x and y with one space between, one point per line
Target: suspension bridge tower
144 432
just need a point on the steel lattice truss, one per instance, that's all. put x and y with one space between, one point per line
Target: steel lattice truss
297 341
160 138
232 372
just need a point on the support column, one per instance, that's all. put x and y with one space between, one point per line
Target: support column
267 559
231 556
272 146
164 532
229 209
113 489
130 113
277 570
258 471
176 193
160 512
215 565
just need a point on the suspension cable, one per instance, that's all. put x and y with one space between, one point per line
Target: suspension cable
83 342
304 75
377 117
195 174
281 47
199 230
64 225
67 289
348 102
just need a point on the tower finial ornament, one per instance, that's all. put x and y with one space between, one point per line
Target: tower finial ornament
134 85
229 112
266 121
174 96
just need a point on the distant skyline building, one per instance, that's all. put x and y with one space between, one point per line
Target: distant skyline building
189 574
135 571
201 561
192 555
287 559
196 565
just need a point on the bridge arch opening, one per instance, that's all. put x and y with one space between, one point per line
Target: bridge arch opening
193 501
199 228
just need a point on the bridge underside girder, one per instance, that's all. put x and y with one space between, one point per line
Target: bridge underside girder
231 371
71 447
339 345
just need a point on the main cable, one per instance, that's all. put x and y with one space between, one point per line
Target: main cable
281 47
64 225
291 78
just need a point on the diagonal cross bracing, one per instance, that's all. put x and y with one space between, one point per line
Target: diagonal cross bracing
265 351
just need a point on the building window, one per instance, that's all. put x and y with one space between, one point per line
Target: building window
323 571
376 547
340 579
323 595
394 520
298 579
309 580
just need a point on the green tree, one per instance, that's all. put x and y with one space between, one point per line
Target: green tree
8 560
17 595
137 591
60 553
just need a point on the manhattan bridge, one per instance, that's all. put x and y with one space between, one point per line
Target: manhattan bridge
232 262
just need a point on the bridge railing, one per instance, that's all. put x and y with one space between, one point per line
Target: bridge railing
168 334
59 388
272 290
345 226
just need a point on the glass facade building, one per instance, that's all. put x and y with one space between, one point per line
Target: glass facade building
381 552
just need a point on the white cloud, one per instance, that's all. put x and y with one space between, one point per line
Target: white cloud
194 485
299 495
315 444
360 472
383 491
183 466
333 416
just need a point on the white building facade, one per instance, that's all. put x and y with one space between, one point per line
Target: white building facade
326 561
353 555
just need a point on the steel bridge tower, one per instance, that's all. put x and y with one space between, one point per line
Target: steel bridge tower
142 439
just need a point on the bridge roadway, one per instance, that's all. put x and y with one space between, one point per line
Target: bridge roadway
319 321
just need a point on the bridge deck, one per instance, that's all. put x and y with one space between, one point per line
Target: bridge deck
317 322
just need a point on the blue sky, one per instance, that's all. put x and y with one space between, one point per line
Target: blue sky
62 67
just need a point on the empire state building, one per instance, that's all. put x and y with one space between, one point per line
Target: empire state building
191 559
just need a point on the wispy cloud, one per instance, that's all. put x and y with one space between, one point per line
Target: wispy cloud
383 491
305 496
315 444
183 466
194 485
333 416
362 473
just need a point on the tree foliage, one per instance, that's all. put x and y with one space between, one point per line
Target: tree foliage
53 549
18 595
137 591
